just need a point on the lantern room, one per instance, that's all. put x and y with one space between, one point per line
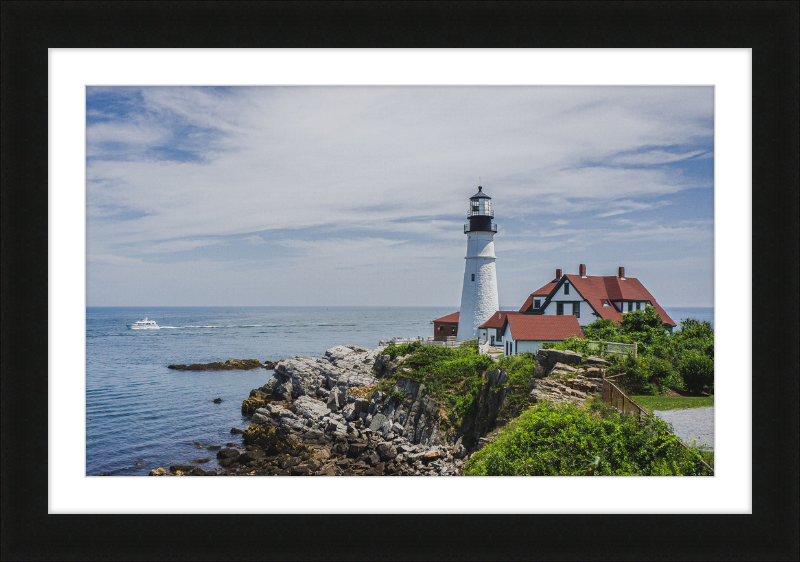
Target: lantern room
480 213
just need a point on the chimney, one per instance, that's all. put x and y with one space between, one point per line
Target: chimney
582 270
558 274
621 272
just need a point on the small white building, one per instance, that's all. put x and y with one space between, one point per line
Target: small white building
527 332
492 330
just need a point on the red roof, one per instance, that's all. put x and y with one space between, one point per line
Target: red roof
536 327
449 318
599 289
543 292
497 319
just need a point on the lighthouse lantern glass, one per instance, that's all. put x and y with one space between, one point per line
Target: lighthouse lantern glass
480 207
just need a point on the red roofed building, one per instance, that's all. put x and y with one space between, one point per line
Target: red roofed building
446 326
591 297
527 332
492 329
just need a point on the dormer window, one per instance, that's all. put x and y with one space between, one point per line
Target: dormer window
606 303
537 303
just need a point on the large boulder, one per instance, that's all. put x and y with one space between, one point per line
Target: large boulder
386 451
336 399
377 422
546 360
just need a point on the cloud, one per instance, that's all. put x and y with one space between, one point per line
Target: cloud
628 206
388 170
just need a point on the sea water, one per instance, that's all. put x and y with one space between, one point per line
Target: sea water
142 415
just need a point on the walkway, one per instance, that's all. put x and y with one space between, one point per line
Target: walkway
692 423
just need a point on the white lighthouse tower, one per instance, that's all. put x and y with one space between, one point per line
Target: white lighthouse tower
479 294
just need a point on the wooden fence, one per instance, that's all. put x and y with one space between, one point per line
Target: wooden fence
615 398
449 342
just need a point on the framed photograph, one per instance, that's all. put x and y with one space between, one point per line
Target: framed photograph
294 177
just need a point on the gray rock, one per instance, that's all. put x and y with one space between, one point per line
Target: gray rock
377 422
361 405
397 428
547 358
350 413
595 360
386 429
309 408
335 399
386 451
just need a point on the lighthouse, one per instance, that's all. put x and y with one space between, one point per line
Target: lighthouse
479 293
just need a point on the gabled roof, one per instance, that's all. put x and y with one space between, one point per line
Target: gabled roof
449 318
598 289
542 292
537 327
497 320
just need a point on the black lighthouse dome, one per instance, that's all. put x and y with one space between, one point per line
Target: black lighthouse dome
480 213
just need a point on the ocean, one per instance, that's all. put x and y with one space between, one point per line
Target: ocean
142 415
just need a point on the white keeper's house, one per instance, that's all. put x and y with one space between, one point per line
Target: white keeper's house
589 298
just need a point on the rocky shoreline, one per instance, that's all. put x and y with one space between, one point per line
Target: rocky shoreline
325 417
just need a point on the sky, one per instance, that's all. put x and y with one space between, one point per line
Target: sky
357 196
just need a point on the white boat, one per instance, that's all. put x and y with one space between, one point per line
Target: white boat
144 325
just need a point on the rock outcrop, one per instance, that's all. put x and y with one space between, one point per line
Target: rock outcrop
565 376
230 364
547 359
326 417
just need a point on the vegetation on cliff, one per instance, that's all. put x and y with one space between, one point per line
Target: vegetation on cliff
565 440
451 375
680 360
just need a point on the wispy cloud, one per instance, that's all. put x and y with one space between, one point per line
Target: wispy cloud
367 172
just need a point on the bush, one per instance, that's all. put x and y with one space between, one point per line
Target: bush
698 372
647 374
401 350
564 441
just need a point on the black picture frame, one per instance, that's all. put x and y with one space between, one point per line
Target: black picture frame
769 28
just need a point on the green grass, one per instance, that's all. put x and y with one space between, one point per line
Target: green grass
651 403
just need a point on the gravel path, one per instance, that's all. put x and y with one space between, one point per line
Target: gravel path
692 423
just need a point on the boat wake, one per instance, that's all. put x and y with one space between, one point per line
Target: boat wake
230 326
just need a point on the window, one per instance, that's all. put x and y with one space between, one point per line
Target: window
630 306
576 309
441 328
566 288
537 303
637 305
605 303
560 308
473 277
453 329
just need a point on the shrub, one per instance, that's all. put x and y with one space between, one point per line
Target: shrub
401 350
646 374
565 440
698 372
